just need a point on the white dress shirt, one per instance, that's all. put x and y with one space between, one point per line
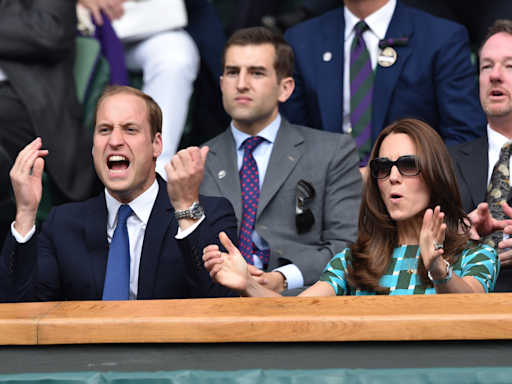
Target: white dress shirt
262 157
378 23
136 225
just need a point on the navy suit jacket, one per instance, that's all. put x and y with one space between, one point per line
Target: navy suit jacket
433 78
471 162
68 260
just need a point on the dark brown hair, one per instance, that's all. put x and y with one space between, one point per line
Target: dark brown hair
377 231
502 25
154 111
284 57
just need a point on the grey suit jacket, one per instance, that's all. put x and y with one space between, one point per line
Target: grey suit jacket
471 162
328 161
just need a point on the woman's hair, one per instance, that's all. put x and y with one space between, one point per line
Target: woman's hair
377 231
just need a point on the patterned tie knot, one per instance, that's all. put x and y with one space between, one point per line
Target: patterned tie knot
505 151
251 143
361 27
124 213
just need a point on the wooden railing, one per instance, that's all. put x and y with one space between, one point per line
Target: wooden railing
287 319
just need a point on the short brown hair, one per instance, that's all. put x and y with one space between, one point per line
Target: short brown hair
284 58
502 25
154 111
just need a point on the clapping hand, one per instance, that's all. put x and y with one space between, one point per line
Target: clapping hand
228 269
26 178
431 241
482 224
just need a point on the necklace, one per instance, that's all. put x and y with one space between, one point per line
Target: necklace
410 271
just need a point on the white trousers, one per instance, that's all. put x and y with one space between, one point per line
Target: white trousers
170 64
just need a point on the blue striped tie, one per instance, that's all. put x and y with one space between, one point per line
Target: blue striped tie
117 278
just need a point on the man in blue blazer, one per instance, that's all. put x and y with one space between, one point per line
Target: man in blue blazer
167 228
432 78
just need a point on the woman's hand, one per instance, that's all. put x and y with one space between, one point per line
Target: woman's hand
433 229
227 269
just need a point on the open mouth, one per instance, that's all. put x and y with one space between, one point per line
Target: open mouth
496 93
395 197
118 164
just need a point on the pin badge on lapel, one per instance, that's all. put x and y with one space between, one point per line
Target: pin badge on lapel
387 57
387 54
221 174
327 56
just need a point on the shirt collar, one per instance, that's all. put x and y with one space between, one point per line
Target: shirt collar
269 133
496 140
141 206
378 21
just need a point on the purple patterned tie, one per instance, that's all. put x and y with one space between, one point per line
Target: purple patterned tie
361 94
250 183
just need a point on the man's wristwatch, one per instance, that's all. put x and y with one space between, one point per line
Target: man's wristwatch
195 211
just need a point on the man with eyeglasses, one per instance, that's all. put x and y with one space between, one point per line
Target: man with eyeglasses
295 190
483 165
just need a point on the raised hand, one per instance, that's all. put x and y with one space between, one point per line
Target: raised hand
184 176
433 229
228 269
482 223
26 178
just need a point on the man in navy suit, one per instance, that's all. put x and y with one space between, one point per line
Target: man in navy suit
432 77
167 229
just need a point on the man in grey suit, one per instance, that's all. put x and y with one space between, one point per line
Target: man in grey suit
309 183
474 161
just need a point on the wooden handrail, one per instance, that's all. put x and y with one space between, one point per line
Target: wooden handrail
287 319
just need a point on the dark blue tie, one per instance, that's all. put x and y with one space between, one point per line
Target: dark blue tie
117 278
250 185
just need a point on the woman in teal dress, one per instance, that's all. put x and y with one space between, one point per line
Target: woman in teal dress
413 236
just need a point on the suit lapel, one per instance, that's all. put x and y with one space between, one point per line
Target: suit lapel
386 78
330 75
162 215
222 157
96 238
285 156
474 170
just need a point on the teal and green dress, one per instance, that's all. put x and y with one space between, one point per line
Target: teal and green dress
479 261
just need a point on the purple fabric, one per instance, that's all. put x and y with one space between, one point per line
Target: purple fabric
112 49
365 135
358 112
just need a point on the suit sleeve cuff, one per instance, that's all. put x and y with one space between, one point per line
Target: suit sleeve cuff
182 234
20 239
292 274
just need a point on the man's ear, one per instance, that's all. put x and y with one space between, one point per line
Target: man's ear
221 80
287 86
157 145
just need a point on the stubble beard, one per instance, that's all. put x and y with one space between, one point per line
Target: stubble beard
497 112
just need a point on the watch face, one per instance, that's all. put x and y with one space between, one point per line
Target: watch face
197 211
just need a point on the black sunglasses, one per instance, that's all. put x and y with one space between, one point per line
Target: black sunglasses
406 165
304 219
